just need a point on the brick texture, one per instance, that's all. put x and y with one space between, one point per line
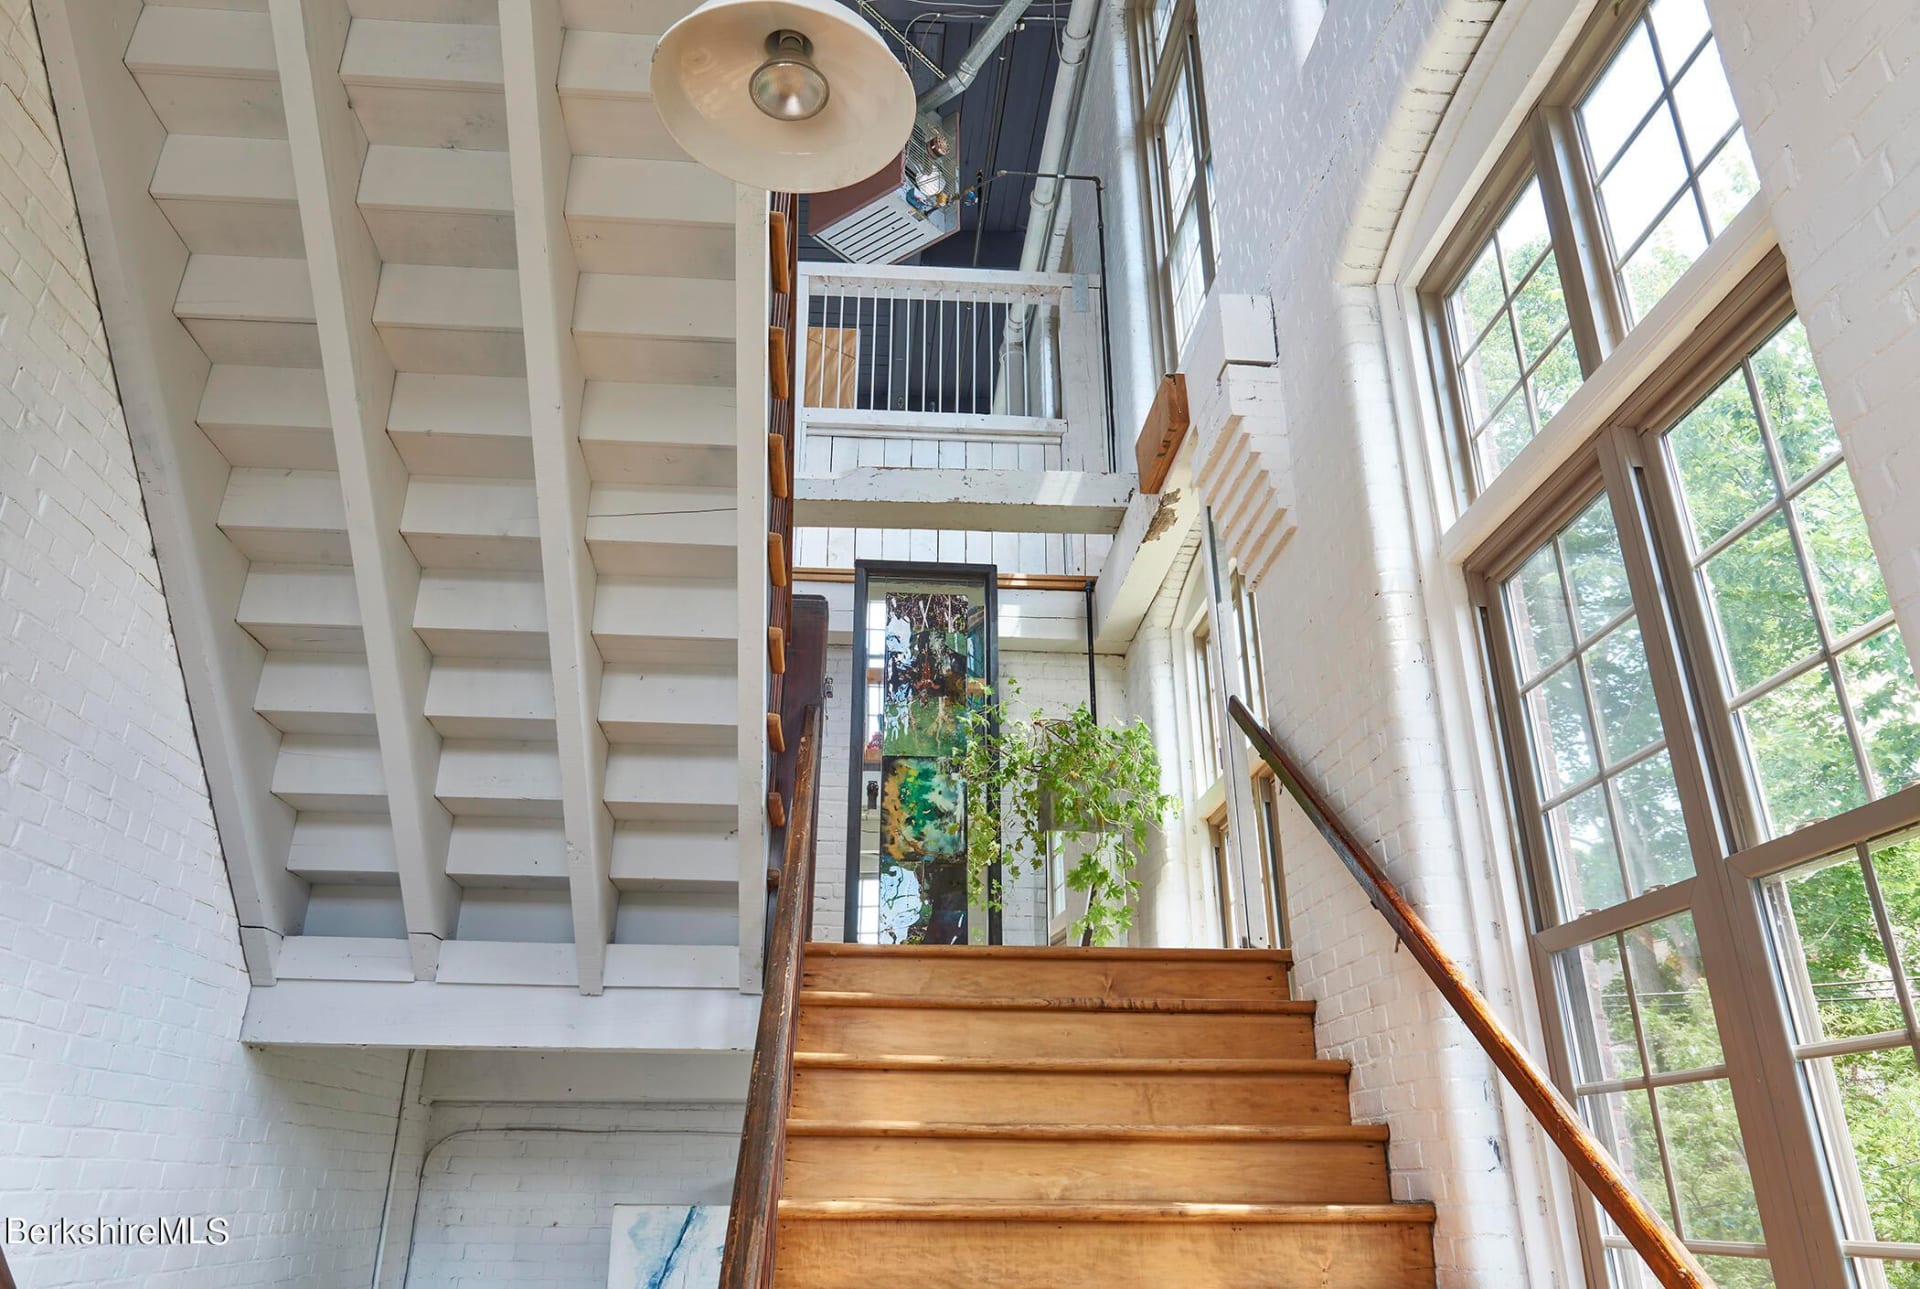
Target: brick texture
1831 103
124 1089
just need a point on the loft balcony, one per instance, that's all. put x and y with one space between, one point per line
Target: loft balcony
955 415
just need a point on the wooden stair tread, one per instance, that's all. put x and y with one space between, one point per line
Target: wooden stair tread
960 1002
1363 1132
1119 1211
1147 1065
1058 953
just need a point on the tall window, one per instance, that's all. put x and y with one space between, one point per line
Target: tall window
1632 163
1713 727
1180 159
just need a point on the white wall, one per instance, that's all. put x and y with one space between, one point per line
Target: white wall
521 1194
1296 135
124 1090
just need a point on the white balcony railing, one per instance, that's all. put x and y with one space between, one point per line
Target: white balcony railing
953 369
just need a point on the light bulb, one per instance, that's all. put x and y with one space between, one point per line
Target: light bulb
788 87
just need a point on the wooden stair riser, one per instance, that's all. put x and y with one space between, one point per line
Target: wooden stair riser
875 1031
1007 1097
1002 977
1155 1170
859 1253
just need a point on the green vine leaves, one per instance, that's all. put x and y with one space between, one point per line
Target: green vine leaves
1089 790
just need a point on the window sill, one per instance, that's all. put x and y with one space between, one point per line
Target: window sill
1735 253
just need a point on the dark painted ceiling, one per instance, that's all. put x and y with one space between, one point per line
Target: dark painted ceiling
1002 116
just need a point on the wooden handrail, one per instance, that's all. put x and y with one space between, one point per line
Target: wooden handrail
1665 1256
752 1224
6 1276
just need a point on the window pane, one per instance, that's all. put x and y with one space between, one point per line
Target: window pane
1540 309
1795 400
1599 1017
1669 251
1620 99
1680 26
1491 370
1500 442
1177 133
1886 707
1591 548
1832 961
1797 743
1900 1275
1738 1273
1646 178
1581 836
1844 568
1653 829
1480 295
1523 233
1705 105
1898 865
1562 740
1556 379
1623 692
1876 1139
1722 461
1709 1162
1670 985
1760 601
1729 182
1542 633
1623 1121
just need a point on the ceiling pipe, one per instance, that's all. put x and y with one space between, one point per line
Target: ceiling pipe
1042 249
976 56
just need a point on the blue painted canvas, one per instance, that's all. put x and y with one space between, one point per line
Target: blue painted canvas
666 1246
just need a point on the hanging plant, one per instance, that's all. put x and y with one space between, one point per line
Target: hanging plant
1088 788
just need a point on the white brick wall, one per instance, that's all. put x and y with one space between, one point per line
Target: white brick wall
1305 145
521 1195
1831 103
124 1090
1050 681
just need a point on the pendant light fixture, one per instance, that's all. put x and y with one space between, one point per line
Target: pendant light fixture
788 95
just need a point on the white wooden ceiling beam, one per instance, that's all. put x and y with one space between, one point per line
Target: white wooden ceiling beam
1007 501
328 149
540 157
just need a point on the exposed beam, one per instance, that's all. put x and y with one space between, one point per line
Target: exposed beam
1143 553
539 154
113 142
328 149
1008 501
752 264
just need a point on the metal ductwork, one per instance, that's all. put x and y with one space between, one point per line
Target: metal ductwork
976 56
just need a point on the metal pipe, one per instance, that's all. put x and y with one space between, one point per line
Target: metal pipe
976 56
1062 112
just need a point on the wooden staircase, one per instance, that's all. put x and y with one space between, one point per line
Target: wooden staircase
1077 1117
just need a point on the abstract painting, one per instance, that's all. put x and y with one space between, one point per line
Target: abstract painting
666 1246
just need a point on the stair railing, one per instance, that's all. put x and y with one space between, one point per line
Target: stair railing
753 1223
1665 1255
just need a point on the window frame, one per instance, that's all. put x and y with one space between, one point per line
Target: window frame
1165 61
1625 462
1550 146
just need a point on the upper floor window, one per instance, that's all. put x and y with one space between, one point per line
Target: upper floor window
1180 158
1632 162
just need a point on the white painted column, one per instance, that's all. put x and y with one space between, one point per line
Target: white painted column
752 299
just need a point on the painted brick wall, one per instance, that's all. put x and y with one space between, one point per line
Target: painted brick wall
1048 681
1301 139
522 1194
124 1090
1831 103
